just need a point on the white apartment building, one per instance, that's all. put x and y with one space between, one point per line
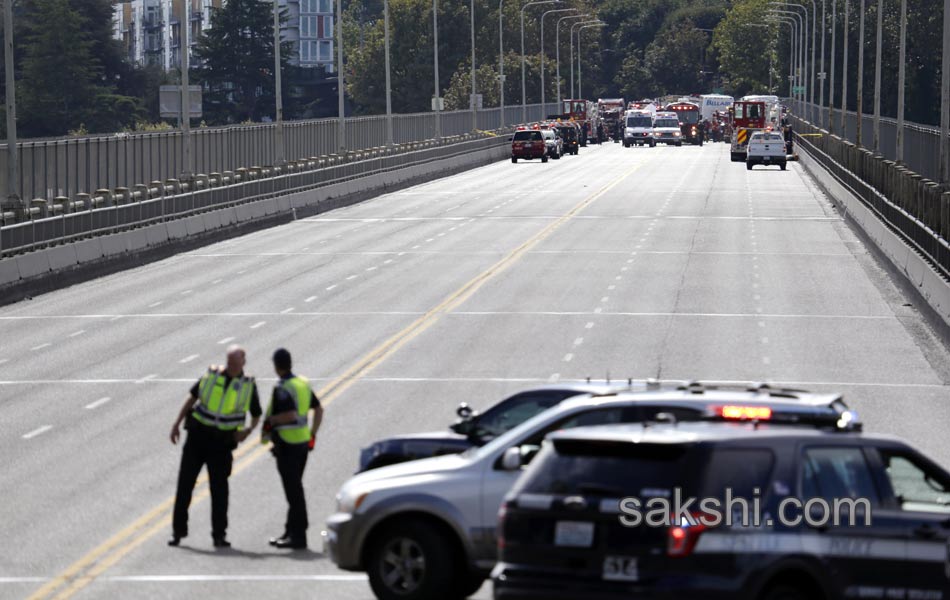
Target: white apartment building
151 29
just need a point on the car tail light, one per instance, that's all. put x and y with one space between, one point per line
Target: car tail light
681 539
502 513
744 413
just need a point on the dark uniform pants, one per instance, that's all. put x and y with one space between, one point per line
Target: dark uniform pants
291 461
204 448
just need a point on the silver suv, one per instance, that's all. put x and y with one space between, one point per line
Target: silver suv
425 530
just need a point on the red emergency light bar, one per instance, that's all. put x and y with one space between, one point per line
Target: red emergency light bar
744 413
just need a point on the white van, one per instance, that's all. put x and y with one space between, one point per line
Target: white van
638 129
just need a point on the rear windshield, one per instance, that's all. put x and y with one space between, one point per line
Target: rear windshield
667 123
689 116
524 136
768 138
639 122
609 469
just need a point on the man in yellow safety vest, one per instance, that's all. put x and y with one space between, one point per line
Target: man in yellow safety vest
288 427
214 414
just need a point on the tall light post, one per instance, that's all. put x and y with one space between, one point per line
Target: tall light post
802 45
574 26
902 58
821 69
501 63
557 43
831 87
877 77
945 96
844 71
860 91
471 9
188 169
389 88
792 49
13 196
524 93
435 52
809 88
580 91
279 159
558 10
341 118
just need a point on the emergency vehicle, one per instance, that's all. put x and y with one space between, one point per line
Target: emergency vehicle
710 104
689 121
666 129
611 111
747 118
773 108
638 129
585 114
646 104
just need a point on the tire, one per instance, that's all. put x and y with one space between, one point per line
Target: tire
514 160
467 585
626 144
678 144
736 157
653 144
416 558
782 165
748 166
576 150
544 158
556 157
784 592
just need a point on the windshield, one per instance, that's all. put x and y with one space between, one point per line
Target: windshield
667 123
639 122
516 435
527 136
689 116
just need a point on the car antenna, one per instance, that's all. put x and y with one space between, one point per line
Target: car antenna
608 375
588 379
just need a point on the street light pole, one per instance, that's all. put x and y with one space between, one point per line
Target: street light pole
831 87
877 77
524 93
13 197
341 119
580 90
279 159
471 9
821 69
945 96
844 71
389 90
900 83
501 64
558 10
578 24
557 43
802 45
435 48
188 170
860 75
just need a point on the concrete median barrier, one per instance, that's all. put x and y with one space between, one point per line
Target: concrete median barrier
157 234
88 250
176 230
137 239
116 243
212 220
195 225
9 271
33 264
62 257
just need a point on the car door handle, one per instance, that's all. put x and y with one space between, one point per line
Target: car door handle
925 531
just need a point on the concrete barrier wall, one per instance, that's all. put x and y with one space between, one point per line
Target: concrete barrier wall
42 270
917 271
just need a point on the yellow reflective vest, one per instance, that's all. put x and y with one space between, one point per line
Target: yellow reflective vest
223 407
297 432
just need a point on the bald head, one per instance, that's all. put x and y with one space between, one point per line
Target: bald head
236 360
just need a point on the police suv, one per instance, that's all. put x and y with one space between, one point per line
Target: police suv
823 515
425 530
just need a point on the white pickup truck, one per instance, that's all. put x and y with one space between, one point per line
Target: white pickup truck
766 148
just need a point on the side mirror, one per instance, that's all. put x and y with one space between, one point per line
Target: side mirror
511 460
511 139
464 411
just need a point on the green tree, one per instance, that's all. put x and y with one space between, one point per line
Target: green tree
235 61
745 44
60 76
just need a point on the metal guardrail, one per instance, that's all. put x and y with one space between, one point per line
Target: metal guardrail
66 167
917 208
921 142
70 220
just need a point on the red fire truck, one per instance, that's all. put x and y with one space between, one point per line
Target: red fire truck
689 115
747 118
585 114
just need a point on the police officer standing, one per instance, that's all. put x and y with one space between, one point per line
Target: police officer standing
287 426
214 415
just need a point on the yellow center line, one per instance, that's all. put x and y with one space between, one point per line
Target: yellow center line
85 570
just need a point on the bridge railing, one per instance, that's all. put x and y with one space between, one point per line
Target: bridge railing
67 167
915 207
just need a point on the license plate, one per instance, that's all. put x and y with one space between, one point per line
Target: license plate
574 534
620 568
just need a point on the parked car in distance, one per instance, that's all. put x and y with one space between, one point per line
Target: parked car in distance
766 148
528 144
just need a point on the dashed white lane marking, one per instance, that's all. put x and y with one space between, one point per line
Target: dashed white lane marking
761 323
605 299
258 325
329 288
226 340
116 318
4 360
215 282
41 346
242 272
618 277
225 578
371 268
188 359
598 310
287 311
414 247
568 357
611 287
401 254
430 240
579 341
310 299
186 292
554 378
97 403
147 378
441 235
352 277
36 432
77 333
154 304
765 340
766 360
387 261
589 325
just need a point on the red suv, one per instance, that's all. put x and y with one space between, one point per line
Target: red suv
528 144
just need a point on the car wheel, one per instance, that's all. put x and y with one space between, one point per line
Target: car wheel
626 144
544 158
678 144
467 585
784 592
653 144
782 166
748 166
513 159
410 561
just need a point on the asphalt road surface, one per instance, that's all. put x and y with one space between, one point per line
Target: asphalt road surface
669 262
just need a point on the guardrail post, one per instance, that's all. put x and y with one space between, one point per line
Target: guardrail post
106 196
122 195
142 191
40 207
63 203
945 216
214 179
